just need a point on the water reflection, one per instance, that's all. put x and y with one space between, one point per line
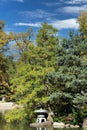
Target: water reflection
5 126
44 128
40 128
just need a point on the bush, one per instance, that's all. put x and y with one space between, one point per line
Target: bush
15 115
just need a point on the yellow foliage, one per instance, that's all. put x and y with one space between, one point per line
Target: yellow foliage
82 20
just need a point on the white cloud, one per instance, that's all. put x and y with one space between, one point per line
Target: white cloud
28 24
74 2
79 1
60 24
38 13
66 24
19 0
68 2
74 9
49 4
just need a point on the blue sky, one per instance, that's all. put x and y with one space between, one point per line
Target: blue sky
19 15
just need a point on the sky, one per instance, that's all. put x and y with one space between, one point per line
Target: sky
19 15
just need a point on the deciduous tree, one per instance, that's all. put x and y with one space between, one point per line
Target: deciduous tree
82 20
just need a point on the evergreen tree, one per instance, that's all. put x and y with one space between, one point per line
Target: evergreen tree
69 81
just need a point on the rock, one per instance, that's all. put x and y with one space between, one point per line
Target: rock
68 118
49 118
77 126
67 125
62 125
47 123
74 126
85 123
58 125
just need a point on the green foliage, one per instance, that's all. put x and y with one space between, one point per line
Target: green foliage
82 20
5 90
15 115
4 38
22 41
52 73
47 35
69 79
29 84
2 23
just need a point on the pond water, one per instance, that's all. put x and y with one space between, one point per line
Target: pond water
20 127
6 126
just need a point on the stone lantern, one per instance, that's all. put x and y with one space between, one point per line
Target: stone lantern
41 115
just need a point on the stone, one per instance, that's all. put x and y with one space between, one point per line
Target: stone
85 123
49 118
67 125
58 125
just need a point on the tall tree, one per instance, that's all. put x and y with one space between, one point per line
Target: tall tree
47 40
2 23
29 83
69 81
21 41
4 78
82 20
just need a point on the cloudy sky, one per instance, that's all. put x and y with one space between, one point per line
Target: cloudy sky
22 14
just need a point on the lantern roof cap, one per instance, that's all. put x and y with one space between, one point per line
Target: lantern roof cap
41 111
